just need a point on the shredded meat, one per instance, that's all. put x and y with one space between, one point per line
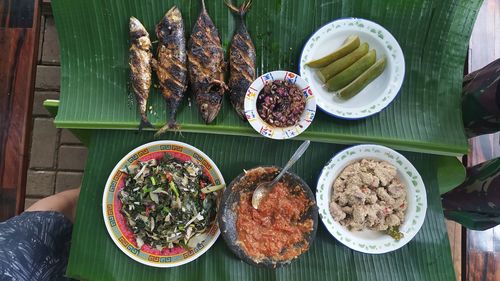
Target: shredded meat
368 195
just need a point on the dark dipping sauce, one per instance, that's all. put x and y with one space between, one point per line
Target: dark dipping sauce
274 231
280 104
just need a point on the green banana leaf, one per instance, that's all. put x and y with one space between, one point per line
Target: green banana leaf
94 256
425 117
52 107
450 171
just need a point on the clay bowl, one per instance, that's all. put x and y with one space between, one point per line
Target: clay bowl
247 181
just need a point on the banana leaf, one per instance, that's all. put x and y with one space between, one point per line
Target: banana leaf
94 256
425 116
450 171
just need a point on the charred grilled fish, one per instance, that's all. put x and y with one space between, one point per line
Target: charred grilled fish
241 60
170 65
206 66
140 66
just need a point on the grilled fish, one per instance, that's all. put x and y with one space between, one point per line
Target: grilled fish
170 65
206 66
140 66
241 60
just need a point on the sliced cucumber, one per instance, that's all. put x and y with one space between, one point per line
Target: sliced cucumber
337 66
350 44
348 75
364 79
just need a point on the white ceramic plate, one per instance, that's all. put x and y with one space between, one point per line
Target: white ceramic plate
380 92
116 224
368 241
274 132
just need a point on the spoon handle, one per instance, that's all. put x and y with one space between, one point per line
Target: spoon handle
302 148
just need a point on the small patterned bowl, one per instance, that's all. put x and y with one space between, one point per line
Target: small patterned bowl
276 132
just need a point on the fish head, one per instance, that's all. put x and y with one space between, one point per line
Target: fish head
209 110
138 34
174 14
170 24
210 103
240 110
136 28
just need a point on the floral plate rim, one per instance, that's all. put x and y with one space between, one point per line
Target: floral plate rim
260 125
109 197
416 193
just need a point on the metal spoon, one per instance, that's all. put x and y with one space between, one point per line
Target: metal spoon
265 187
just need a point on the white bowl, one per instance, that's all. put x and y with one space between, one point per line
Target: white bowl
368 241
275 132
380 92
115 224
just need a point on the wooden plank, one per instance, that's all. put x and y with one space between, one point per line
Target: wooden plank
19 31
483 254
455 236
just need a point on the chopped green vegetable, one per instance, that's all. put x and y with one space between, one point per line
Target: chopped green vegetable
162 204
154 197
173 188
209 188
153 180
394 232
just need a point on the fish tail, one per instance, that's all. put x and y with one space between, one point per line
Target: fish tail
162 130
145 124
245 7
172 123
242 10
170 126
241 114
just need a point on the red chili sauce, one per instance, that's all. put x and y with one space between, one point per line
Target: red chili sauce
274 231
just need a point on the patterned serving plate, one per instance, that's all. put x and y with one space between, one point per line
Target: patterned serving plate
368 241
274 132
380 92
116 223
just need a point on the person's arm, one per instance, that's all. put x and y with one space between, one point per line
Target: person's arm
63 202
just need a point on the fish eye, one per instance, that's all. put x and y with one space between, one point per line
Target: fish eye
214 88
